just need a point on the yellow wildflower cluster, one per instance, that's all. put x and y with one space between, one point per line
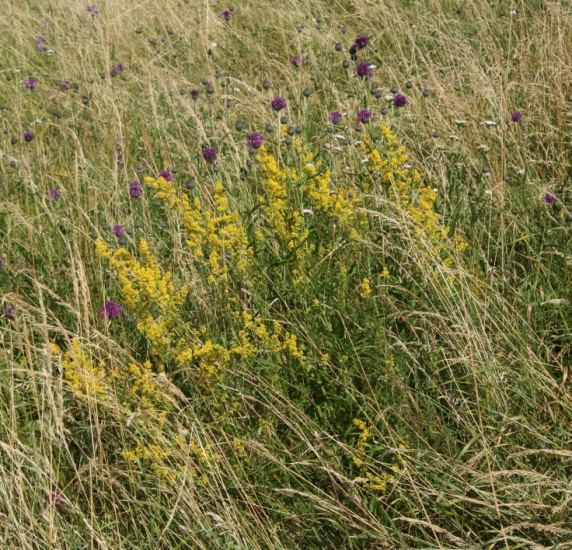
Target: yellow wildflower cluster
340 203
83 377
150 295
210 358
213 233
407 191
376 482
365 288
274 340
147 395
132 394
285 220
285 190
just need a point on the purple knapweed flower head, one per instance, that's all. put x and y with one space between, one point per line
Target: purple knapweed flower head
361 42
399 100
210 154
58 500
8 313
364 115
39 41
53 194
31 84
227 14
114 71
363 70
28 136
297 60
335 117
135 189
549 198
255 140
195 93
516 116
166 175
65 85
120 67
111 310
118 230
93 10
278 104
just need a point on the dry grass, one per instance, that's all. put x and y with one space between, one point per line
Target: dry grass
459 372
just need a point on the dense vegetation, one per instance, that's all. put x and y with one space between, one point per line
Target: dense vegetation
285 275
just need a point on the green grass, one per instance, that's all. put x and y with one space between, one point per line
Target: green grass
340 373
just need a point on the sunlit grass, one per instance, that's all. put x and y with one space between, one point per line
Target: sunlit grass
351 333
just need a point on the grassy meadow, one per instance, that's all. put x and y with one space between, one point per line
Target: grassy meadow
287 275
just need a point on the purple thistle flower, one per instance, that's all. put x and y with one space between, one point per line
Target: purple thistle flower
335 117
31 84
40 40
28 136
278 104
195 93
135 189
210 154
363 70
118 230
65 85
93 10
549 198
227 14
166 175
114 71
361 42
53 194
399 100
111 310
58 500
364 115
516 116
255 140
8 312
120 67
297 61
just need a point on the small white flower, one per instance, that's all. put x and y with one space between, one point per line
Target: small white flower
489 123
213 44
521 172
388 98
489 192
309 165
308 211
339 136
